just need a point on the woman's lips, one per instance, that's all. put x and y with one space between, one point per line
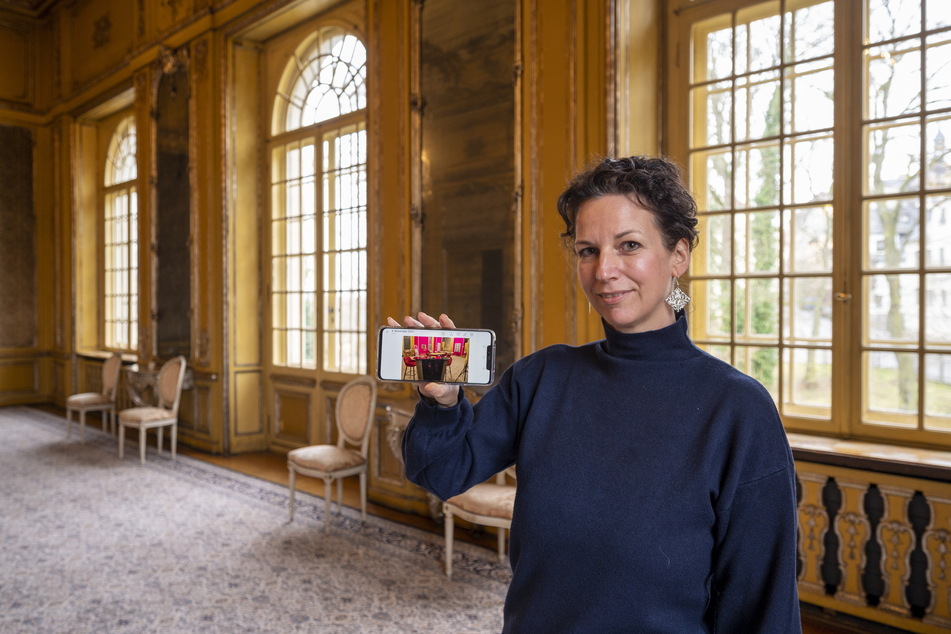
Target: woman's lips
613 298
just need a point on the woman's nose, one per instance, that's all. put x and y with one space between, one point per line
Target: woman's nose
607 266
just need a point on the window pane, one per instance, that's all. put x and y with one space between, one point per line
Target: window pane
757 309
891 309
719 54
757 106
808 169
812 32
893 233
809 375
716 321
715 247
938 231
938 392
809 97
809 239
891 386
939 14
808 310
938 71
714 172
938 309
894 161
894 75
757 40
762 364
757 176
937 153
756 242
888 19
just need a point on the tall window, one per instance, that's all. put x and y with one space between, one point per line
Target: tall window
319 208
120 241
823 178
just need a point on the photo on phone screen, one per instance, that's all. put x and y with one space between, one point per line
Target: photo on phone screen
464 357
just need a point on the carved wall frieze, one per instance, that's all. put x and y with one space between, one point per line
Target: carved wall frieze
101 30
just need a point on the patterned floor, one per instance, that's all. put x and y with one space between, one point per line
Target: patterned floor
94 544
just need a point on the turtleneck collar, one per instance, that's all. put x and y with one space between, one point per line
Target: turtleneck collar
669 343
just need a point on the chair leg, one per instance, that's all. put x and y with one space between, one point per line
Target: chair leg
82 425
339 496
327 490
363 496
290 485
121 439
142 445
449 525
69 423
161 436
501 543
174 438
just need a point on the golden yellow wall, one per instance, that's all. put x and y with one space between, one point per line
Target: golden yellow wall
79 62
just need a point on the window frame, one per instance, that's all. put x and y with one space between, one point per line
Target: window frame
317 132
107 130
848 199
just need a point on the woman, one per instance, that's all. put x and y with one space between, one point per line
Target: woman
656 489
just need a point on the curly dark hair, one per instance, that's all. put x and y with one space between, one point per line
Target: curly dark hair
654 183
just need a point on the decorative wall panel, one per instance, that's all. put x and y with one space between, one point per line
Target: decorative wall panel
101 36
875 546
18 328
16 51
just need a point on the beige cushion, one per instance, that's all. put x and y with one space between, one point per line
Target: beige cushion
324 458
492 500
87 399
145 415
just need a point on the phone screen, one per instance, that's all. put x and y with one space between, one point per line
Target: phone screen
464 357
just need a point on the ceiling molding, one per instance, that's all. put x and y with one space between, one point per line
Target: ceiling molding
29 8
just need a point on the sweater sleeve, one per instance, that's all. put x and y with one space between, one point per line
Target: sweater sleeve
754 585
449 450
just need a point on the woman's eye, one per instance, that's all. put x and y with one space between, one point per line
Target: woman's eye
630 246
586 252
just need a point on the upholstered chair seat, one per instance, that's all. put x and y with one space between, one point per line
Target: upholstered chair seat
486 504
325 458
492 500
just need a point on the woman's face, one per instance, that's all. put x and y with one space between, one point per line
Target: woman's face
624 267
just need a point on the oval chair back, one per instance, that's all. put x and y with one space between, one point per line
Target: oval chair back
356 407
110 376
168 385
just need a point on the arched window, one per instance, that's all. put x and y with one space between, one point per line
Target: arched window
319 207
120 247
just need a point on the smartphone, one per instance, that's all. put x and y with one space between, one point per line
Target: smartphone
462 357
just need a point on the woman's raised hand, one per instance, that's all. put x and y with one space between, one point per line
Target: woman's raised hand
444 394
422 320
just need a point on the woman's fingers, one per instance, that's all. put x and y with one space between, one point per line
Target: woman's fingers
446 395
422 320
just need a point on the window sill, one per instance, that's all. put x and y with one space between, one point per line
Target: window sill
905 461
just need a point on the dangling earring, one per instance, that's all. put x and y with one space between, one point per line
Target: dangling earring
677 298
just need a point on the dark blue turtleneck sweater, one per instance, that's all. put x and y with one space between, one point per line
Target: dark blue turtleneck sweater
655 487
